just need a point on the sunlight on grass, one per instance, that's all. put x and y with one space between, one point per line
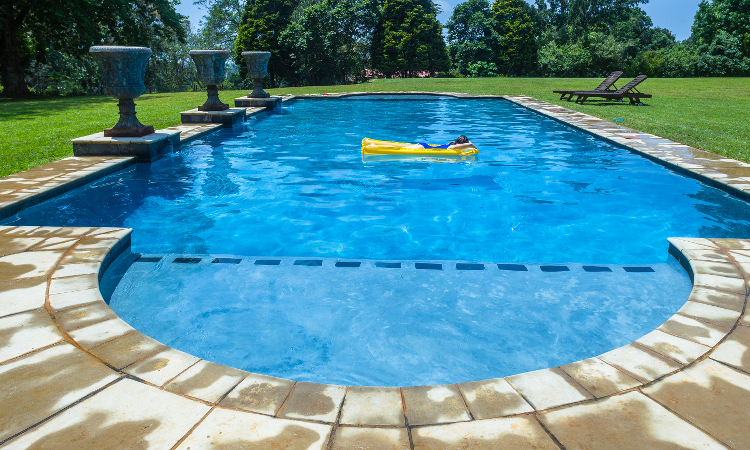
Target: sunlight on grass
708 113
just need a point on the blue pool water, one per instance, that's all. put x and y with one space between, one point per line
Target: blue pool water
380 326
293 183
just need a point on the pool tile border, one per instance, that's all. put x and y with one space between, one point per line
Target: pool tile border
49 280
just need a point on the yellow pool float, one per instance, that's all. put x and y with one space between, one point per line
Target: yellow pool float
376 147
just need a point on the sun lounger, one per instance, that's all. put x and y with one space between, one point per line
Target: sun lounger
628 91
603 87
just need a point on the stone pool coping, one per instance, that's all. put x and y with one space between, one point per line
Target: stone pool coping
71 369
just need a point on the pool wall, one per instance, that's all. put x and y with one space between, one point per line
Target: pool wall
72 371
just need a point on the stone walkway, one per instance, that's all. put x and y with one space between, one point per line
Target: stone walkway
74 375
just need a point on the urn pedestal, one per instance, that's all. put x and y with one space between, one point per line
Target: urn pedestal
257 69
210 65
123 70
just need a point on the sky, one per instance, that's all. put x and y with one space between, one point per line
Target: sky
675 15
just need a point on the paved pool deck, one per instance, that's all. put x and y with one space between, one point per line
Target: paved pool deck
74 375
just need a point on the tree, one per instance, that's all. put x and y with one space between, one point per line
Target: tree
29 29
573 20
730 16
329 40
218 29
517 51
408 39
723 57
261 26
472 39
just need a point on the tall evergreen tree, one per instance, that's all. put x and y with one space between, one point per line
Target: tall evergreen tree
517 50
471 35
408 39
261 26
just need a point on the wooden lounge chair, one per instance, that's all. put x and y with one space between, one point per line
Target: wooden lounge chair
628 91
603 87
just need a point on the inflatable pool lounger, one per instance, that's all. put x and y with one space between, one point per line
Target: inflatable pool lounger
375 147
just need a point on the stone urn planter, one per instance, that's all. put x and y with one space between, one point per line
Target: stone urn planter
257 69
123 69
210 65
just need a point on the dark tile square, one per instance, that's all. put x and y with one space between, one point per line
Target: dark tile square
638 269
227 261
187 260
515 267
554 268
348 263
151 259
428 266
308 262
267 262
596 269
467 266
388 265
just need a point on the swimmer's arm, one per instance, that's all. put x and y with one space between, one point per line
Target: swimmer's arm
466 145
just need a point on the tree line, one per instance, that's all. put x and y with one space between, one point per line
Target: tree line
43 44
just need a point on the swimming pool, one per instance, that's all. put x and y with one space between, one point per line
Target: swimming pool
293 183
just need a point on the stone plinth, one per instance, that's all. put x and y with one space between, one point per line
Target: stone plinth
268 103
229 118
147 148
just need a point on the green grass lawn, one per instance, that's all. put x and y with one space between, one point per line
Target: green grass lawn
708 113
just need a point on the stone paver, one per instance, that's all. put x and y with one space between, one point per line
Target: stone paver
373 406
627 421
673 347
511 433
641 364
548 388
25 332
313 401
434 404
206 381
599 378
127 414
493 398
22 295
127 349
349 438
162 367
693 330
734 349
225 429
712 396
259 393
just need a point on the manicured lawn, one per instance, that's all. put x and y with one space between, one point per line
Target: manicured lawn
708 113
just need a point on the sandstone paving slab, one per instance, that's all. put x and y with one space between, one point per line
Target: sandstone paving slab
694 330
373 406
673 347
715 268
79 255
313 401
26 332
713 297
715 315
712 396
427 405
128 349
206 381
95 244
99 333
627 421
641 364
705 255
734 349
599 378
75 298
489 399
22 295
259 393
349 438
125 415
161 367
71 269
548 388
693 243
736 244
71 284
227 429
69 232
504 433
17 245
83 316
111 233
36 386
28 264
55 243
728 284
